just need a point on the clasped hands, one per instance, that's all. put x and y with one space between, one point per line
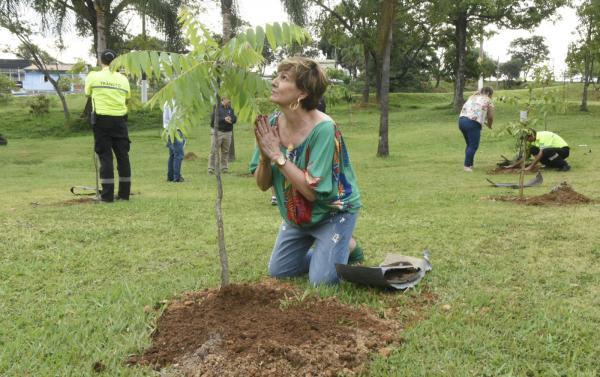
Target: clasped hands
267 139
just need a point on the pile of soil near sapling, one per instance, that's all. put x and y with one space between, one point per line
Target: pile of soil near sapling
562 194
270 329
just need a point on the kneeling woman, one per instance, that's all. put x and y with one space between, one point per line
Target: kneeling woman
304 157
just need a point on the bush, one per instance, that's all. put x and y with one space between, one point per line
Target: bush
64 84
39 105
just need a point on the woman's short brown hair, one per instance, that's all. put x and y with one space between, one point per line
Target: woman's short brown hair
309 78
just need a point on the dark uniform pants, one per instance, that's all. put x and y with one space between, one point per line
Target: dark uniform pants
110 135
553 157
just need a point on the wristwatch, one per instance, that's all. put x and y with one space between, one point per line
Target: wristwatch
281 160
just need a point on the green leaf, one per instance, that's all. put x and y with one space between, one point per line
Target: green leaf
166 64
260 39
287 36
278 33
251 37
271 37
155 69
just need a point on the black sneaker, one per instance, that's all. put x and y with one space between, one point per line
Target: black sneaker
565 167
178 180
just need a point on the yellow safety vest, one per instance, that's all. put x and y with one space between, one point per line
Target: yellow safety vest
109 90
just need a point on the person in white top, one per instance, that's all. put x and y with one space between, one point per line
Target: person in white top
176 147
477 111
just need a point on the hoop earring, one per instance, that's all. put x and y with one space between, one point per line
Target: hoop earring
295 106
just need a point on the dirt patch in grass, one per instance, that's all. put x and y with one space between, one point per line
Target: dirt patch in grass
503 170
562 194
190 156
77 201
271 329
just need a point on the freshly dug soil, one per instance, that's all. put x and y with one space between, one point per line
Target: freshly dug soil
190 156
562 194
270 329
517 170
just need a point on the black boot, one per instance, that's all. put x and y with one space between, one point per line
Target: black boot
124 190
108 192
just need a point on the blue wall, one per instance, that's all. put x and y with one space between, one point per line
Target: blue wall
34 81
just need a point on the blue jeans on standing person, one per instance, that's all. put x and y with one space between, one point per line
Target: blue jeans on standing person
315 250
471 130
175 158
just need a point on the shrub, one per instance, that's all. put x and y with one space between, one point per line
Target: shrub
39 105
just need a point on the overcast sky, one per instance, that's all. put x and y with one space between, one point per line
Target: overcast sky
258 12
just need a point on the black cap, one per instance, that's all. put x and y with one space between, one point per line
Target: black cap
107 56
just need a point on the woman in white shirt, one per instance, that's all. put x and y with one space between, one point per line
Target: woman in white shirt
478 110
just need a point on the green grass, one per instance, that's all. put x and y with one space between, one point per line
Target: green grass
522 282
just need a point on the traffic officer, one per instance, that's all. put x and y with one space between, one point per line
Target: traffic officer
549 149
109 92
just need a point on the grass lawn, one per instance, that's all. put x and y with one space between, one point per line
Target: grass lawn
518 288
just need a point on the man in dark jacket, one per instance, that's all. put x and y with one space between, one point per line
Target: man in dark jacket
225 120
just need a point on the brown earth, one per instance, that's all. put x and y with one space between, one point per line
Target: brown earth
562 194
190 156
77 201
273 329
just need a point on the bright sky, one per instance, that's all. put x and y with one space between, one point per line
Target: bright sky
258 12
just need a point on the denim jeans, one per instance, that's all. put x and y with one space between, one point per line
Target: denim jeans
471 130
175 157
293 255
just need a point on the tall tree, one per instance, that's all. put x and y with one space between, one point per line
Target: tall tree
10 19
385 39
358 18
586 50
468 16
100 17
511 70
530 51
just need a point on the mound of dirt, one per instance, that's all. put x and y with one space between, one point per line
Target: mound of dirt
562 194
190 156
517 170
267 329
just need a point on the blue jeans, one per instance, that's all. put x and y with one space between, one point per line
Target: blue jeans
175 157
293 255
471 130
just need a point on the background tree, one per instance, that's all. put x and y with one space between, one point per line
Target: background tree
511 70
10 19
530 51
469 17
585 52
201 77
387 14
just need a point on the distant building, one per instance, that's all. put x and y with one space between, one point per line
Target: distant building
31 79
14 69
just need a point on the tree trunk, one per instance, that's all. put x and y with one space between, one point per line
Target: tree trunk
378 79
461 52
588 64
383 148
367 87
219 200
586 82
101 29
63 101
